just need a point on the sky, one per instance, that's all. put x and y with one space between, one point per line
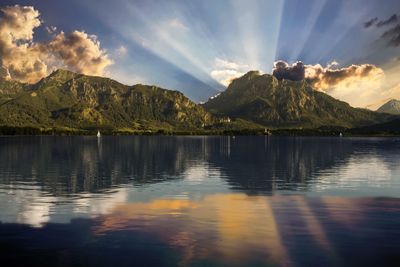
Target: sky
349 49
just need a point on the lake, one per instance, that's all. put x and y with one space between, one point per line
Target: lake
199 201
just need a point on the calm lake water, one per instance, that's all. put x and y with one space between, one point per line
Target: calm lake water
199 201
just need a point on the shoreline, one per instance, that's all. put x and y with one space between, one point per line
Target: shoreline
34 131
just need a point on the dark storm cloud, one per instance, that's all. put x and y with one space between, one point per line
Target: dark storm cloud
393 19
370 22
294 72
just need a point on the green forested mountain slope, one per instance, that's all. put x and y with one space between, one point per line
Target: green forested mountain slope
264 100
74 101
67 99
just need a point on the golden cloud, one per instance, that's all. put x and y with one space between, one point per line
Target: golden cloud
79 52
27 61
361 85
355 84
326 78
226 71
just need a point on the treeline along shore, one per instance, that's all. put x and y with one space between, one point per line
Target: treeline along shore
36 131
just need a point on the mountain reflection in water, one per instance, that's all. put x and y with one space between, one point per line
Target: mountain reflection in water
64 166
199 201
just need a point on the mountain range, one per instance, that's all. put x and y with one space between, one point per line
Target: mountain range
265 100
68 100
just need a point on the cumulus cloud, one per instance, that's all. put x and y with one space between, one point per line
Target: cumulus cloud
25 60
17 22
333 64
355 84
19 57
225 71
79 52
323 78
226 76
327 78
294 72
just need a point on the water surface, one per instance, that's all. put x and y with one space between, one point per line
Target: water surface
199 201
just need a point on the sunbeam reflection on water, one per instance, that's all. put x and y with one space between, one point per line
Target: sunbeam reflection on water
195 201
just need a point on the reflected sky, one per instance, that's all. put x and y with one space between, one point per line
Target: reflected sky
195 201
218 230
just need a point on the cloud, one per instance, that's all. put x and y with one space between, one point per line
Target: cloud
18 22
333 64
392 36
79 52
51 29
19 57
327 78
177 24
121 51
224 64
25 60
370 23
392 20
225 71
225 77
294 72
324 78
358 85
381 23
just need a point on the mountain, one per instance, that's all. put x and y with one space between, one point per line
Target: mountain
391 107
71 100
264 100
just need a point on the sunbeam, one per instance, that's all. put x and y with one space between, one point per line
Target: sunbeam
307 29
343 21
170 39
169 42
258 24
199 133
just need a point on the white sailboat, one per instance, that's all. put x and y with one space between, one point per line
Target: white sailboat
98 134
